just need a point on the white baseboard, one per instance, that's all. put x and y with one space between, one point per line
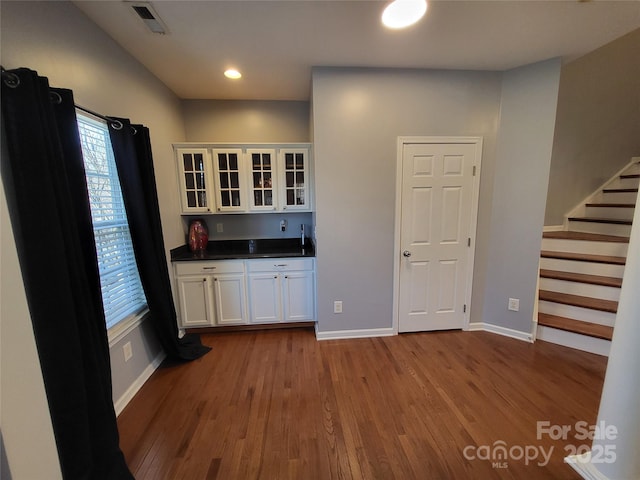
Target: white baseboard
585 343
137 384
364 333
475 327
553 228
506 332
582 464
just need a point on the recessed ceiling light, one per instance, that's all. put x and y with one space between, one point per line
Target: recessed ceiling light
232 73
402 13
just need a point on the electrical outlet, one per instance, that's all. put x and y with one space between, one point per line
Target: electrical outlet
128 351
514 304
219 227
337 306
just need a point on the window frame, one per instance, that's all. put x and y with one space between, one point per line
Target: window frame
128 322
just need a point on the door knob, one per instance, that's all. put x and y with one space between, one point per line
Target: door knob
406 253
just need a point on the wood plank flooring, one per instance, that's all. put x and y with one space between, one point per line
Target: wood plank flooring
280 405
593 237
614 282
610 306
576 326
584 257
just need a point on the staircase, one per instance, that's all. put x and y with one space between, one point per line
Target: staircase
581 267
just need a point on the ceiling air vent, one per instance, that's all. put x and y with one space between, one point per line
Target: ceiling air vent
148 15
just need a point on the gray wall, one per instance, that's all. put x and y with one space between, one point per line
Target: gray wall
246 121
355 181
58 41
357 116
598 123
527 117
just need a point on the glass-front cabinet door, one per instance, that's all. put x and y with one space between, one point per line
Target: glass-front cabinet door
193 165
230 193
295 179
263 179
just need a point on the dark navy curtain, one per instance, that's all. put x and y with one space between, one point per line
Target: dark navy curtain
132 151
45 186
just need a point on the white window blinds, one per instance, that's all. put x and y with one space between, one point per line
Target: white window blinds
122 293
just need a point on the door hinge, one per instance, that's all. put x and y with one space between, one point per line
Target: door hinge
469 242
474 170
464 308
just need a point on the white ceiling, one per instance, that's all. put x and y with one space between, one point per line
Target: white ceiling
276 43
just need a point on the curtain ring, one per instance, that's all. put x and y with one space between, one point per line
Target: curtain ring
55 97
10 79
133 129
116 124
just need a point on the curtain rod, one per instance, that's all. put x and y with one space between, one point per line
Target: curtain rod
117 124
13 81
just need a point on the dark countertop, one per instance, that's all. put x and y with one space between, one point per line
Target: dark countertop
259 248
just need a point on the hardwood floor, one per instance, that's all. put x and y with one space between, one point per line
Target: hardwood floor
280 405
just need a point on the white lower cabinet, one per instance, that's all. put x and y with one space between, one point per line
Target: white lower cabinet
218 292
264 298
281 290
196 301
298 295
211 293
230 298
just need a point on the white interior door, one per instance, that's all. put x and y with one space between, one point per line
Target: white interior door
437 213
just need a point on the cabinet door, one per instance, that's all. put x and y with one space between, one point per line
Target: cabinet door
230 298
196 302
263 179
298 296
295 187
229 180
194 178
264 298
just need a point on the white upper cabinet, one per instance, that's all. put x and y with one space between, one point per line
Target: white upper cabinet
244 178
294 168
194 166
263 181
229 172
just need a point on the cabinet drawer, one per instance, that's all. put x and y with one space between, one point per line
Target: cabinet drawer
280 264
209 268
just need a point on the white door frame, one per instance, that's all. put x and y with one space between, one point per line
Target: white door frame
397 255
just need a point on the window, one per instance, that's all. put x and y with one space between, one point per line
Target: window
122 294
